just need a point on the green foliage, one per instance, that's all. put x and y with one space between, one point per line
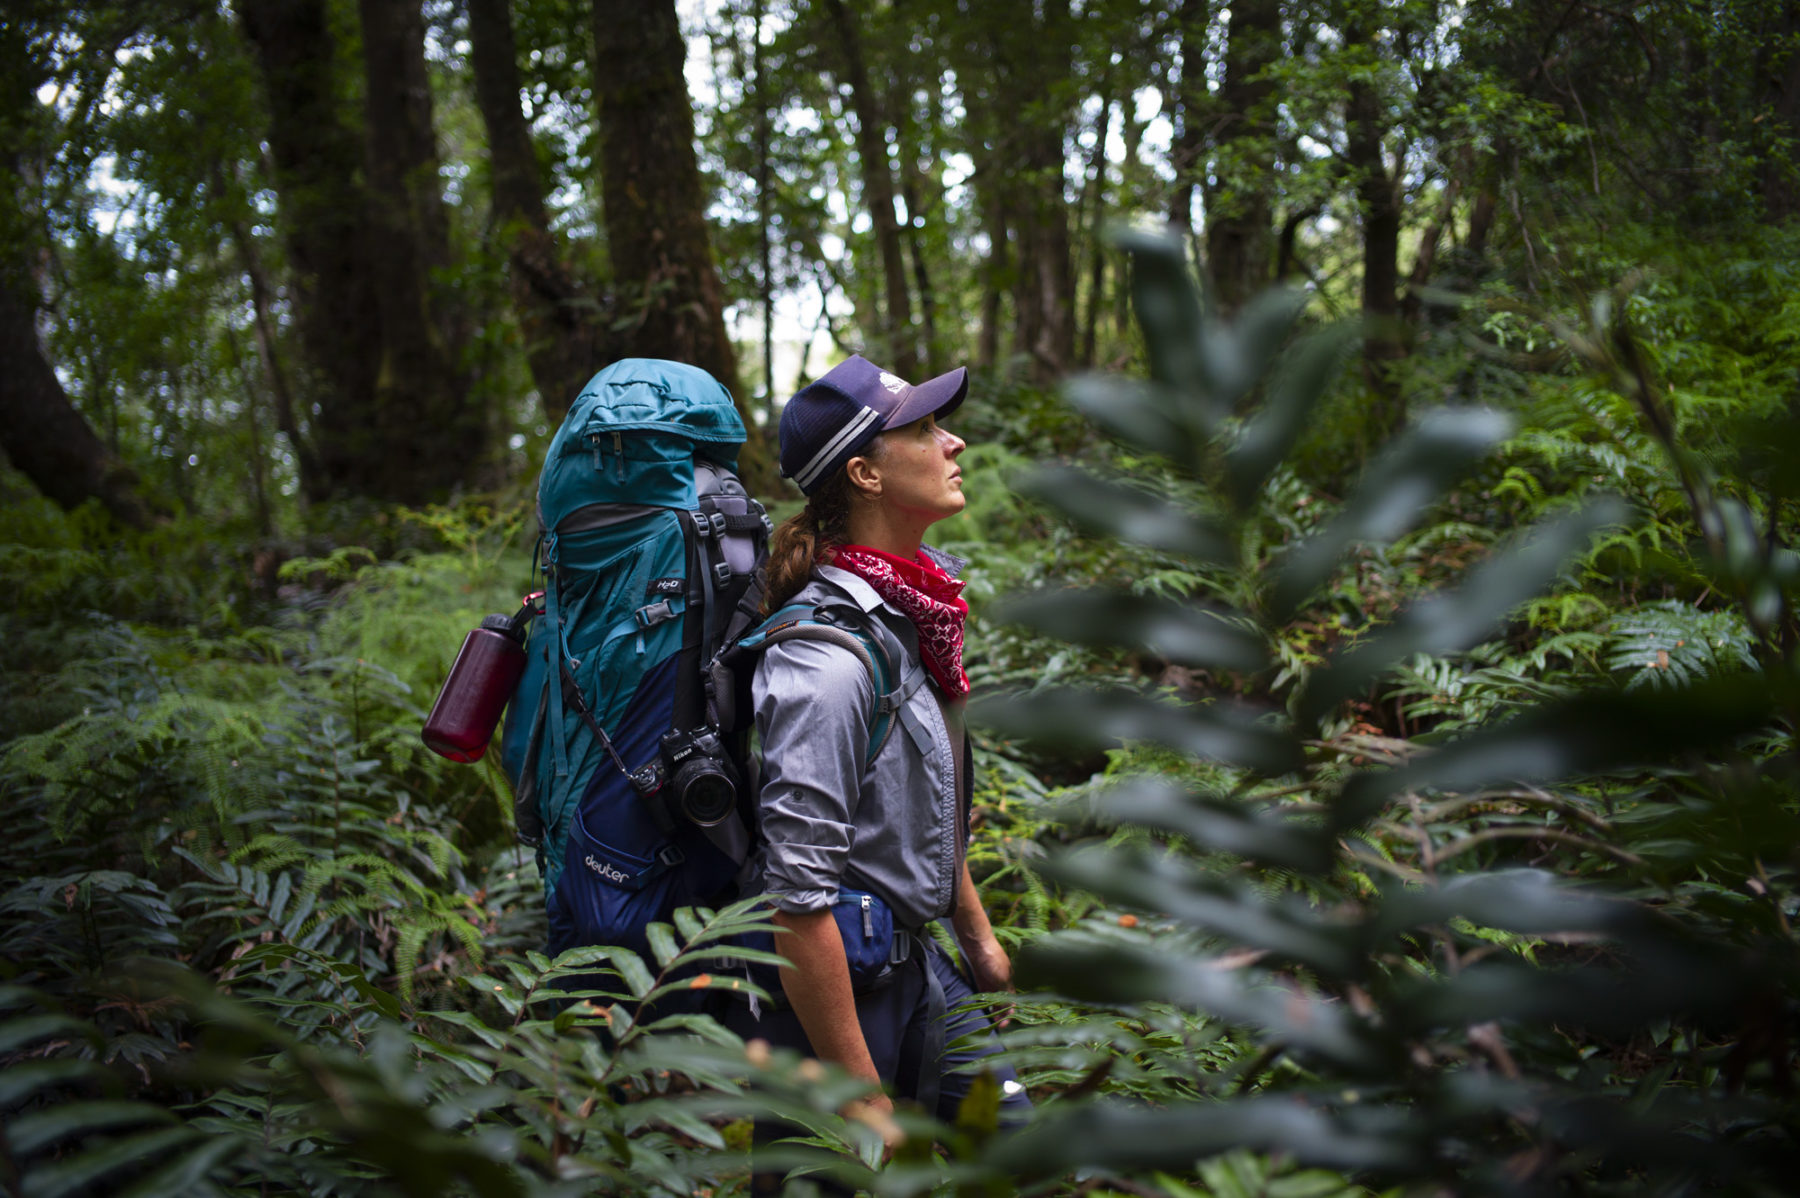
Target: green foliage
1672 644
1363 700
1357 906
361 988
69 1128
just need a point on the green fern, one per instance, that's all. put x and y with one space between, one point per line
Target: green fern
69 1128
1671 643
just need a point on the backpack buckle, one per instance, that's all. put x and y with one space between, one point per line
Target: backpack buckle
717 520
722 572
762 513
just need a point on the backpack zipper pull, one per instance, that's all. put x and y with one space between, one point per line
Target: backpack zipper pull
868 917
594 444
619 455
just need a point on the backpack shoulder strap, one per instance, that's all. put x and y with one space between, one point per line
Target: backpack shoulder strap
842 625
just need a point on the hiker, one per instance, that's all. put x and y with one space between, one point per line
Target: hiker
850 844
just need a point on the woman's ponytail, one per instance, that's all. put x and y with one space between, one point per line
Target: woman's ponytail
806 539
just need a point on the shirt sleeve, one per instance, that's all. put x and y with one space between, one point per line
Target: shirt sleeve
813 703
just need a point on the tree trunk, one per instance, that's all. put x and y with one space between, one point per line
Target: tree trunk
878 192
259 456
1778 82
1239 208
668 288
430 427
556 315
1481 219
1189 105
1016 68
765 250
995 274
922 190
43 434
316 164
1094 221
45 437
1036 63
1379 206
393 415
1425 261
267 342
650 184
1045 288
1132 133
913 186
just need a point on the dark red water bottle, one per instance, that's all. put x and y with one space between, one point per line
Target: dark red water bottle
468 707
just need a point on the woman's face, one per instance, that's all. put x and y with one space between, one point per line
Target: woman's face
920 480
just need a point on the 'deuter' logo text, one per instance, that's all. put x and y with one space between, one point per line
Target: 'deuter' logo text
604 870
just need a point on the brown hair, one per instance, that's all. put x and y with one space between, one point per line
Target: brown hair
808 538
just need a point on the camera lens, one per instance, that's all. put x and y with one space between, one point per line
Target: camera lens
706 793
702 783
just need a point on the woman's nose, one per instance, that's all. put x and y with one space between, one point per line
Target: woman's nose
952 443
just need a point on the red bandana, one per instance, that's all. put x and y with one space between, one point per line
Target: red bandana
929 597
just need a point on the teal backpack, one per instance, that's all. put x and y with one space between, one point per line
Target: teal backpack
627 738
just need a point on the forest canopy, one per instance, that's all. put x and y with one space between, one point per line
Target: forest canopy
1381 436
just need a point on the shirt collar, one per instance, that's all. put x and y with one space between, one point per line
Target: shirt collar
949 563
853 585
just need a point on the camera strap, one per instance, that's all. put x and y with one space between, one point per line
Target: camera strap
572 693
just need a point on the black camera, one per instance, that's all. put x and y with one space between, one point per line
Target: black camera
694 780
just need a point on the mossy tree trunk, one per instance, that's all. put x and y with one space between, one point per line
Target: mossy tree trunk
44 435
41 431
1379 208
1189 101
556 313
315 160
1239 238
655 207
669 300
392 414
901 349
432 425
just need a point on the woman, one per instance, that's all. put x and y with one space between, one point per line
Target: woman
877 468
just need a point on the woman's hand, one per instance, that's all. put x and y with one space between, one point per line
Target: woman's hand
990 969
816 981
989 966
876 1112
817 984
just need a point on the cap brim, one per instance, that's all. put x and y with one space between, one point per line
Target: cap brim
933 397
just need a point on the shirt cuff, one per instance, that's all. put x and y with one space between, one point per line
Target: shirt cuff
802 902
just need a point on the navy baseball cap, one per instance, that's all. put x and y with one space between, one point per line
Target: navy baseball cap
829 421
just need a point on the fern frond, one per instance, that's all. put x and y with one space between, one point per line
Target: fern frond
1671 643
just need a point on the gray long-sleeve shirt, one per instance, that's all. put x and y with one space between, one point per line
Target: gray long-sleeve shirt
896 828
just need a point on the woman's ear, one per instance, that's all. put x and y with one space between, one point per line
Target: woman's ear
865 477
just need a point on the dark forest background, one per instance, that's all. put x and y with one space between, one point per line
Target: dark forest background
1382 468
